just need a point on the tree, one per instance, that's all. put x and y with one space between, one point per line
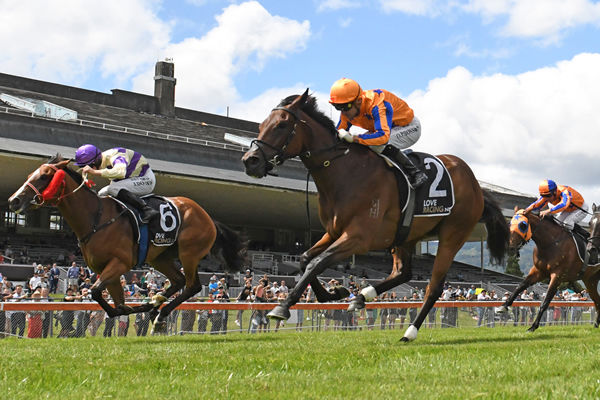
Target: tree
512 266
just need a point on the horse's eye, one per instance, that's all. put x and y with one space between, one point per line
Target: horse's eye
45 177
282 125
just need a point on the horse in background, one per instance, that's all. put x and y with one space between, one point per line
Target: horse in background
555 257
360 205
106 238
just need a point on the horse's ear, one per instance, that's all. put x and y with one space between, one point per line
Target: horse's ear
594 207
516 209
304 96
63 163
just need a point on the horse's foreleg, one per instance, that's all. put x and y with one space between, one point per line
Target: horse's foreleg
529 280
339 250
590 279
97 289
321 293
552 287
109 279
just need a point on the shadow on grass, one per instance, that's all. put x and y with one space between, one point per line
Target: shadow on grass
517 337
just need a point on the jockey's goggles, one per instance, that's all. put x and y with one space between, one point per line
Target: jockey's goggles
342 106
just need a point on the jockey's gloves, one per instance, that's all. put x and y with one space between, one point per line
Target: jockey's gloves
345 135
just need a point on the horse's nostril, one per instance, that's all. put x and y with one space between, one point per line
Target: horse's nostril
14 204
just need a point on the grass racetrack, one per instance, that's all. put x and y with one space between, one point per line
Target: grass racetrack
557 362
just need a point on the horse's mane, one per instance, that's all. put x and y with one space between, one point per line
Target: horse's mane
310 107
73 174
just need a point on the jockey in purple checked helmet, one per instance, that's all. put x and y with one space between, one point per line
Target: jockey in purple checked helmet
129 173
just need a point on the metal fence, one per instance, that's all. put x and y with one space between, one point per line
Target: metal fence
66 319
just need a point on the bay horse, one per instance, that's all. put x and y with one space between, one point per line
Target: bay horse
106 239
555 257
359 205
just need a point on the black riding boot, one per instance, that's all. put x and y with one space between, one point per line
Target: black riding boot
146 212
415 175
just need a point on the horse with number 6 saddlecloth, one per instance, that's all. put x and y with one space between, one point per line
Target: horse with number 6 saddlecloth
360 207
557 257
106 238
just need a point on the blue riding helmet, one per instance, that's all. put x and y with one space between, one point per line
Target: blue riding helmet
87 155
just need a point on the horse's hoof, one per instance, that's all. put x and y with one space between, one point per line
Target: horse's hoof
531 330
341 291
281 313
157 300
159 327
410 334
357 303
502 310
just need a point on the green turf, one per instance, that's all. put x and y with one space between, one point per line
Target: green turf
555 362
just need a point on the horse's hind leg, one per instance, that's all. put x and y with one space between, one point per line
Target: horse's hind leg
401 273
189 260
552 287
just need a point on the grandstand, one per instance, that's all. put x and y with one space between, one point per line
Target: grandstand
187 152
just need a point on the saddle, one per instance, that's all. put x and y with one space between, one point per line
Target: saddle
161 231
434 198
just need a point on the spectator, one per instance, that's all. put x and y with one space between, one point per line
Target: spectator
504 315
482 296
34 318
283 288
35 282
151 276
243 296
413 311
83 316
17 318
67 316
1 258
73 277
393 312
54 276
48 315
213 285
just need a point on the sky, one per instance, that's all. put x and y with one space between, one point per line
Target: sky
510 86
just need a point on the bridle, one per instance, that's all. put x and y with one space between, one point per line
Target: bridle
38 198
280 156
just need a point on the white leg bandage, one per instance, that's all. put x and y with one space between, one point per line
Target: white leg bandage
369 293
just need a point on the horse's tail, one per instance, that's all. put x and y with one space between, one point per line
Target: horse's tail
497 228
231 246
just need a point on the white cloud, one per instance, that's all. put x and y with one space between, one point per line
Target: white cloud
65 40
333 5
246 37
429 8
538 19
515 130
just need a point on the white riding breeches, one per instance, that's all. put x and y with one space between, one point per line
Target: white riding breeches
569 219
138 185
402 137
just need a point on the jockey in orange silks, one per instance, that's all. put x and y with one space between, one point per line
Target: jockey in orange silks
560 199
390 123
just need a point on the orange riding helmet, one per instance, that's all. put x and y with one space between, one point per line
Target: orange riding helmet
344 91
547 187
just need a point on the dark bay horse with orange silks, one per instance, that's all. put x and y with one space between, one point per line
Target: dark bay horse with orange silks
106 239
359 205
555 257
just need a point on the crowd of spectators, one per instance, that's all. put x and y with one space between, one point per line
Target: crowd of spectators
44 284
